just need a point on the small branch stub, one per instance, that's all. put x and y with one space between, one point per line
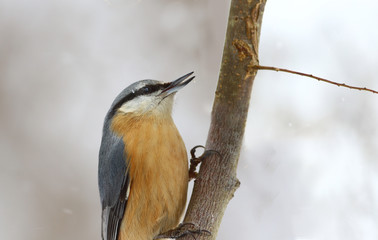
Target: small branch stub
243 48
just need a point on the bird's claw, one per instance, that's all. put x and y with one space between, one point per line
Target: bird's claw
183 230
194 161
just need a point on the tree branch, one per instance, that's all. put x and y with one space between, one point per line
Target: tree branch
216 181
315 77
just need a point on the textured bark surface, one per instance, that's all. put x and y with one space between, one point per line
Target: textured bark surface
216 182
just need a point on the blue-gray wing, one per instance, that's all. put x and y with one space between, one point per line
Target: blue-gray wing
113 183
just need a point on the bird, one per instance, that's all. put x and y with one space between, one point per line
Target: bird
143 163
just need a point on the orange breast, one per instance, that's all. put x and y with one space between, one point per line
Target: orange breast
158 170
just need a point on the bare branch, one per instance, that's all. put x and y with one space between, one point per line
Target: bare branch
314 77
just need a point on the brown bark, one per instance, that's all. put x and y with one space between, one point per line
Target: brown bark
216 182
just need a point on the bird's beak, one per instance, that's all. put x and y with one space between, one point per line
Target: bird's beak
177 84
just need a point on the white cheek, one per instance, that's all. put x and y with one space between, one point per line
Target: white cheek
151 105
140 104
128 108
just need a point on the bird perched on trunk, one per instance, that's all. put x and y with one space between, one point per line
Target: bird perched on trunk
143 165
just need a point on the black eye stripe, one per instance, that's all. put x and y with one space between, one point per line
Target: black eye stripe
148 89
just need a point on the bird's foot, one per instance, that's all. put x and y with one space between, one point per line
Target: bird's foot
183 230
194 161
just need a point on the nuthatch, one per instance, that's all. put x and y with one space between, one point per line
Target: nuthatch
143 165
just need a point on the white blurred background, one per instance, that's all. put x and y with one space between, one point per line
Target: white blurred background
309 165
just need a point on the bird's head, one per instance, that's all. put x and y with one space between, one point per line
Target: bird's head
149 97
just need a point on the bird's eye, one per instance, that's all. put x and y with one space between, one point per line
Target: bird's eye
146 89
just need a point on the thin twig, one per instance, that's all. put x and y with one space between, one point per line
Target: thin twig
315 77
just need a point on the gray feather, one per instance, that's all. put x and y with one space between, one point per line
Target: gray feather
113 179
